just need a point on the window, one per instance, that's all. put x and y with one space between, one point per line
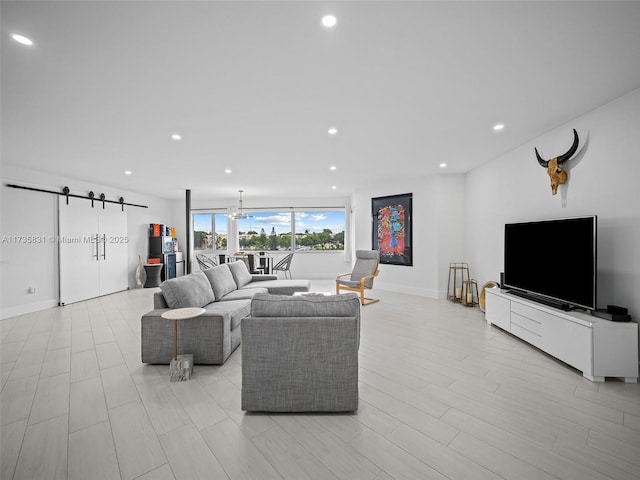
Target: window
209 232
317 230
264 231
299 230
271 230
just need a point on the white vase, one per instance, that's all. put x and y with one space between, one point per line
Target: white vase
138 272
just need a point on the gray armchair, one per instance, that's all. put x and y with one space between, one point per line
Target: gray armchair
300 353
361 278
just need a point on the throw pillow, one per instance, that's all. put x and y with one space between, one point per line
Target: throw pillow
191 290
221 280
240 273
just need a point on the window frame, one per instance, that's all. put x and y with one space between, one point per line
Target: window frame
293 222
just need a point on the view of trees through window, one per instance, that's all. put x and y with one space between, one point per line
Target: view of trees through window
204 232
272 231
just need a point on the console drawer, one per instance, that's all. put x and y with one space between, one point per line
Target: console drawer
527 311
526 335
527 323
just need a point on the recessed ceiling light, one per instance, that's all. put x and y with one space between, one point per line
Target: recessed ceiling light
329 21
128 172
334 187
176 136
443 165
498 126
227 170
332 130
332 168
22 39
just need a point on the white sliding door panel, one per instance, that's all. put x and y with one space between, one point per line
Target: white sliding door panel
78 249
93 249
113 249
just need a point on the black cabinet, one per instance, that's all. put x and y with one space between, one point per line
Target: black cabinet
162 249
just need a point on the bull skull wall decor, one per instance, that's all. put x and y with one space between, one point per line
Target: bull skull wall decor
555 167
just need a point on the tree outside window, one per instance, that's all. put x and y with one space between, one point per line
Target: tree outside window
272 231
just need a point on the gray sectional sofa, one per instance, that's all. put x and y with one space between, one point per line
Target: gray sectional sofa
225 292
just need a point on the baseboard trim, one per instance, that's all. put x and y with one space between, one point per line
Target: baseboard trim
419 292
8 312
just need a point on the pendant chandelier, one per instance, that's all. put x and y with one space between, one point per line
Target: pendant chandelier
239 214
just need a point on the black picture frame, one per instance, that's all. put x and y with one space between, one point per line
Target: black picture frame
391 228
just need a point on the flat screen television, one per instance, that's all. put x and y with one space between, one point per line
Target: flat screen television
553 261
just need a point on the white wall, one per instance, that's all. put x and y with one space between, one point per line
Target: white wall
28 213
603 180
24 265
438 232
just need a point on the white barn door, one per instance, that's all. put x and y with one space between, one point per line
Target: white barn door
92 249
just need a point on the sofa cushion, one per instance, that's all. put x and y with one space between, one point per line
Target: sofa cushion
221 280
188 291
240 273
243 294
281 287
236 309
268 305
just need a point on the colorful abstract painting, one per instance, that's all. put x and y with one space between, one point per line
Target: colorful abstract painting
392 228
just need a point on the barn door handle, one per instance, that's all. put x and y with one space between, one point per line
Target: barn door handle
104 247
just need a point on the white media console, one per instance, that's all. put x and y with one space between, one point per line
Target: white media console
597 347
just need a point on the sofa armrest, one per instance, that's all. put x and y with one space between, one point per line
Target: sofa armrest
207 337
159 301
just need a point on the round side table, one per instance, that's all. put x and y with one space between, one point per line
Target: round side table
181 368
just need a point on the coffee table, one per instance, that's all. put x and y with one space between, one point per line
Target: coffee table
181 367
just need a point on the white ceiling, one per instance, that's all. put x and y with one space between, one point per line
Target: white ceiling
254 86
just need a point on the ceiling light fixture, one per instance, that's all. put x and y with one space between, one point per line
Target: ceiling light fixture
332 131
329 21
176 136
22 39
332 168
334 187
498 126
128 172
239 214
442 165
227 170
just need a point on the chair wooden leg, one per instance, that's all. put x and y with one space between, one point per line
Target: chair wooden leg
363 300
367 301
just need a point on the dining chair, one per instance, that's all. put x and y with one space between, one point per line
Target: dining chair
251 264
284 265
205 261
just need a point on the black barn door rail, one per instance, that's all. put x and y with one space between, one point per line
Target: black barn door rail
91 196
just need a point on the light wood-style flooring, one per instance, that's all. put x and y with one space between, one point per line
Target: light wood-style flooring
442 395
